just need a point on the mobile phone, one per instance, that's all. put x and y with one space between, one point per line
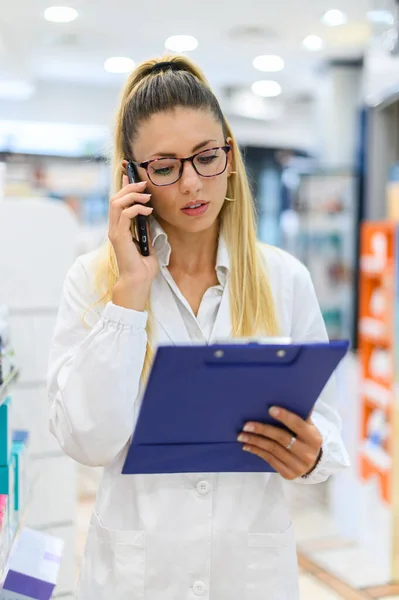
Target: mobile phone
139 224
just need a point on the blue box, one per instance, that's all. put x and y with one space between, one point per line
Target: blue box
20 435
5 432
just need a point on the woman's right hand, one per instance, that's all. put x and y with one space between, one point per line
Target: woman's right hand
136 272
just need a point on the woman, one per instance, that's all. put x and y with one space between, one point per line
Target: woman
172 537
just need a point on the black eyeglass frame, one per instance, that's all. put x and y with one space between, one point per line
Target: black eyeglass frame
145 165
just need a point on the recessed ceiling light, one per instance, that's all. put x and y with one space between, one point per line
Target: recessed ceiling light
269 63
334 18
119 64
181 43
383 17
60 14
313 43
266 89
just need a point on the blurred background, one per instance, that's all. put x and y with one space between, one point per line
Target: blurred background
311 90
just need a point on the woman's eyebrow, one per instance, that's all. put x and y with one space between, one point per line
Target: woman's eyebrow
197 147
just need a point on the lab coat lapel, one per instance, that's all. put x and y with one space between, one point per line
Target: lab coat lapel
166 311
222 328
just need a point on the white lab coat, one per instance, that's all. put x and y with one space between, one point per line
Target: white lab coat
183 536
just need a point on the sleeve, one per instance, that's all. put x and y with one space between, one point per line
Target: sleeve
94 374
307 326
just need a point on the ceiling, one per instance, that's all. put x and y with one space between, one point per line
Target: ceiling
77 51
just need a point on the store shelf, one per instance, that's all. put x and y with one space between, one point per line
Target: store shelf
376 394
372 267
377 458
4 387
324 223
372 328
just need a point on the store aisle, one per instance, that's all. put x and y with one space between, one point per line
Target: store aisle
327 562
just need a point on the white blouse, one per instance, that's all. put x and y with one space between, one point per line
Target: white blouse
199 327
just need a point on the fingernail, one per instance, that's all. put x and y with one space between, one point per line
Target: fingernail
242 438
274 411
246 449
249 427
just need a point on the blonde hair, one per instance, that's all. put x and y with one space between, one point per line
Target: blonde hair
145 93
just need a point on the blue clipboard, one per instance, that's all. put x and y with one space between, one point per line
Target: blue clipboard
198 399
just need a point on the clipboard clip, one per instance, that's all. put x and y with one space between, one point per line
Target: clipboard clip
255 354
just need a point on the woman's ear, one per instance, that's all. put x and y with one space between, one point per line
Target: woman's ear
230 157
123 165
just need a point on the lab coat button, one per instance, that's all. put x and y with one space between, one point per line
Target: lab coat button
203 487
199 588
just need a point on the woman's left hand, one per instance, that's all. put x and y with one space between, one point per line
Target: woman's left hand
290 458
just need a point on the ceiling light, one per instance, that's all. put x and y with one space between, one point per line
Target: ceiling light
383 17
268 63
266 89
334 18
181 43
313 43
119 64
16 90
60 14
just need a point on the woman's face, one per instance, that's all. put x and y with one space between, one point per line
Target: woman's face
181 133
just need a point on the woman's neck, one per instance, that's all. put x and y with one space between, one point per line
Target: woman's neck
192 253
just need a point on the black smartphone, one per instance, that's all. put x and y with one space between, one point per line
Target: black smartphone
139 224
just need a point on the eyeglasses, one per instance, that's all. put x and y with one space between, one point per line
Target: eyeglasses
207 163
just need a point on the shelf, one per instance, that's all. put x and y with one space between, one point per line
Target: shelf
383 341
4 387
377 458
374 329
371 267
376 394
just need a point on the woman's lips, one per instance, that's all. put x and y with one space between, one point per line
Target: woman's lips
196 210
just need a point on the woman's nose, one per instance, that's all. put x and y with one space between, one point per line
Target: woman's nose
190 181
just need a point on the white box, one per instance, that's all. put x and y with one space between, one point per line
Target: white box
33 567
66 582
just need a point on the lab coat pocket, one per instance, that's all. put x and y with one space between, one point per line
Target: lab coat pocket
117 562
272 570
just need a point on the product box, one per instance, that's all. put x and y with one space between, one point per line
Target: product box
4 532
5 431
19 451
7 487
33 567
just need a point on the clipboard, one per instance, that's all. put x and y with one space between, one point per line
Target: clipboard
198 399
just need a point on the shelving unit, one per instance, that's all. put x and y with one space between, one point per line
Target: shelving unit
379 358
32 290
323 236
